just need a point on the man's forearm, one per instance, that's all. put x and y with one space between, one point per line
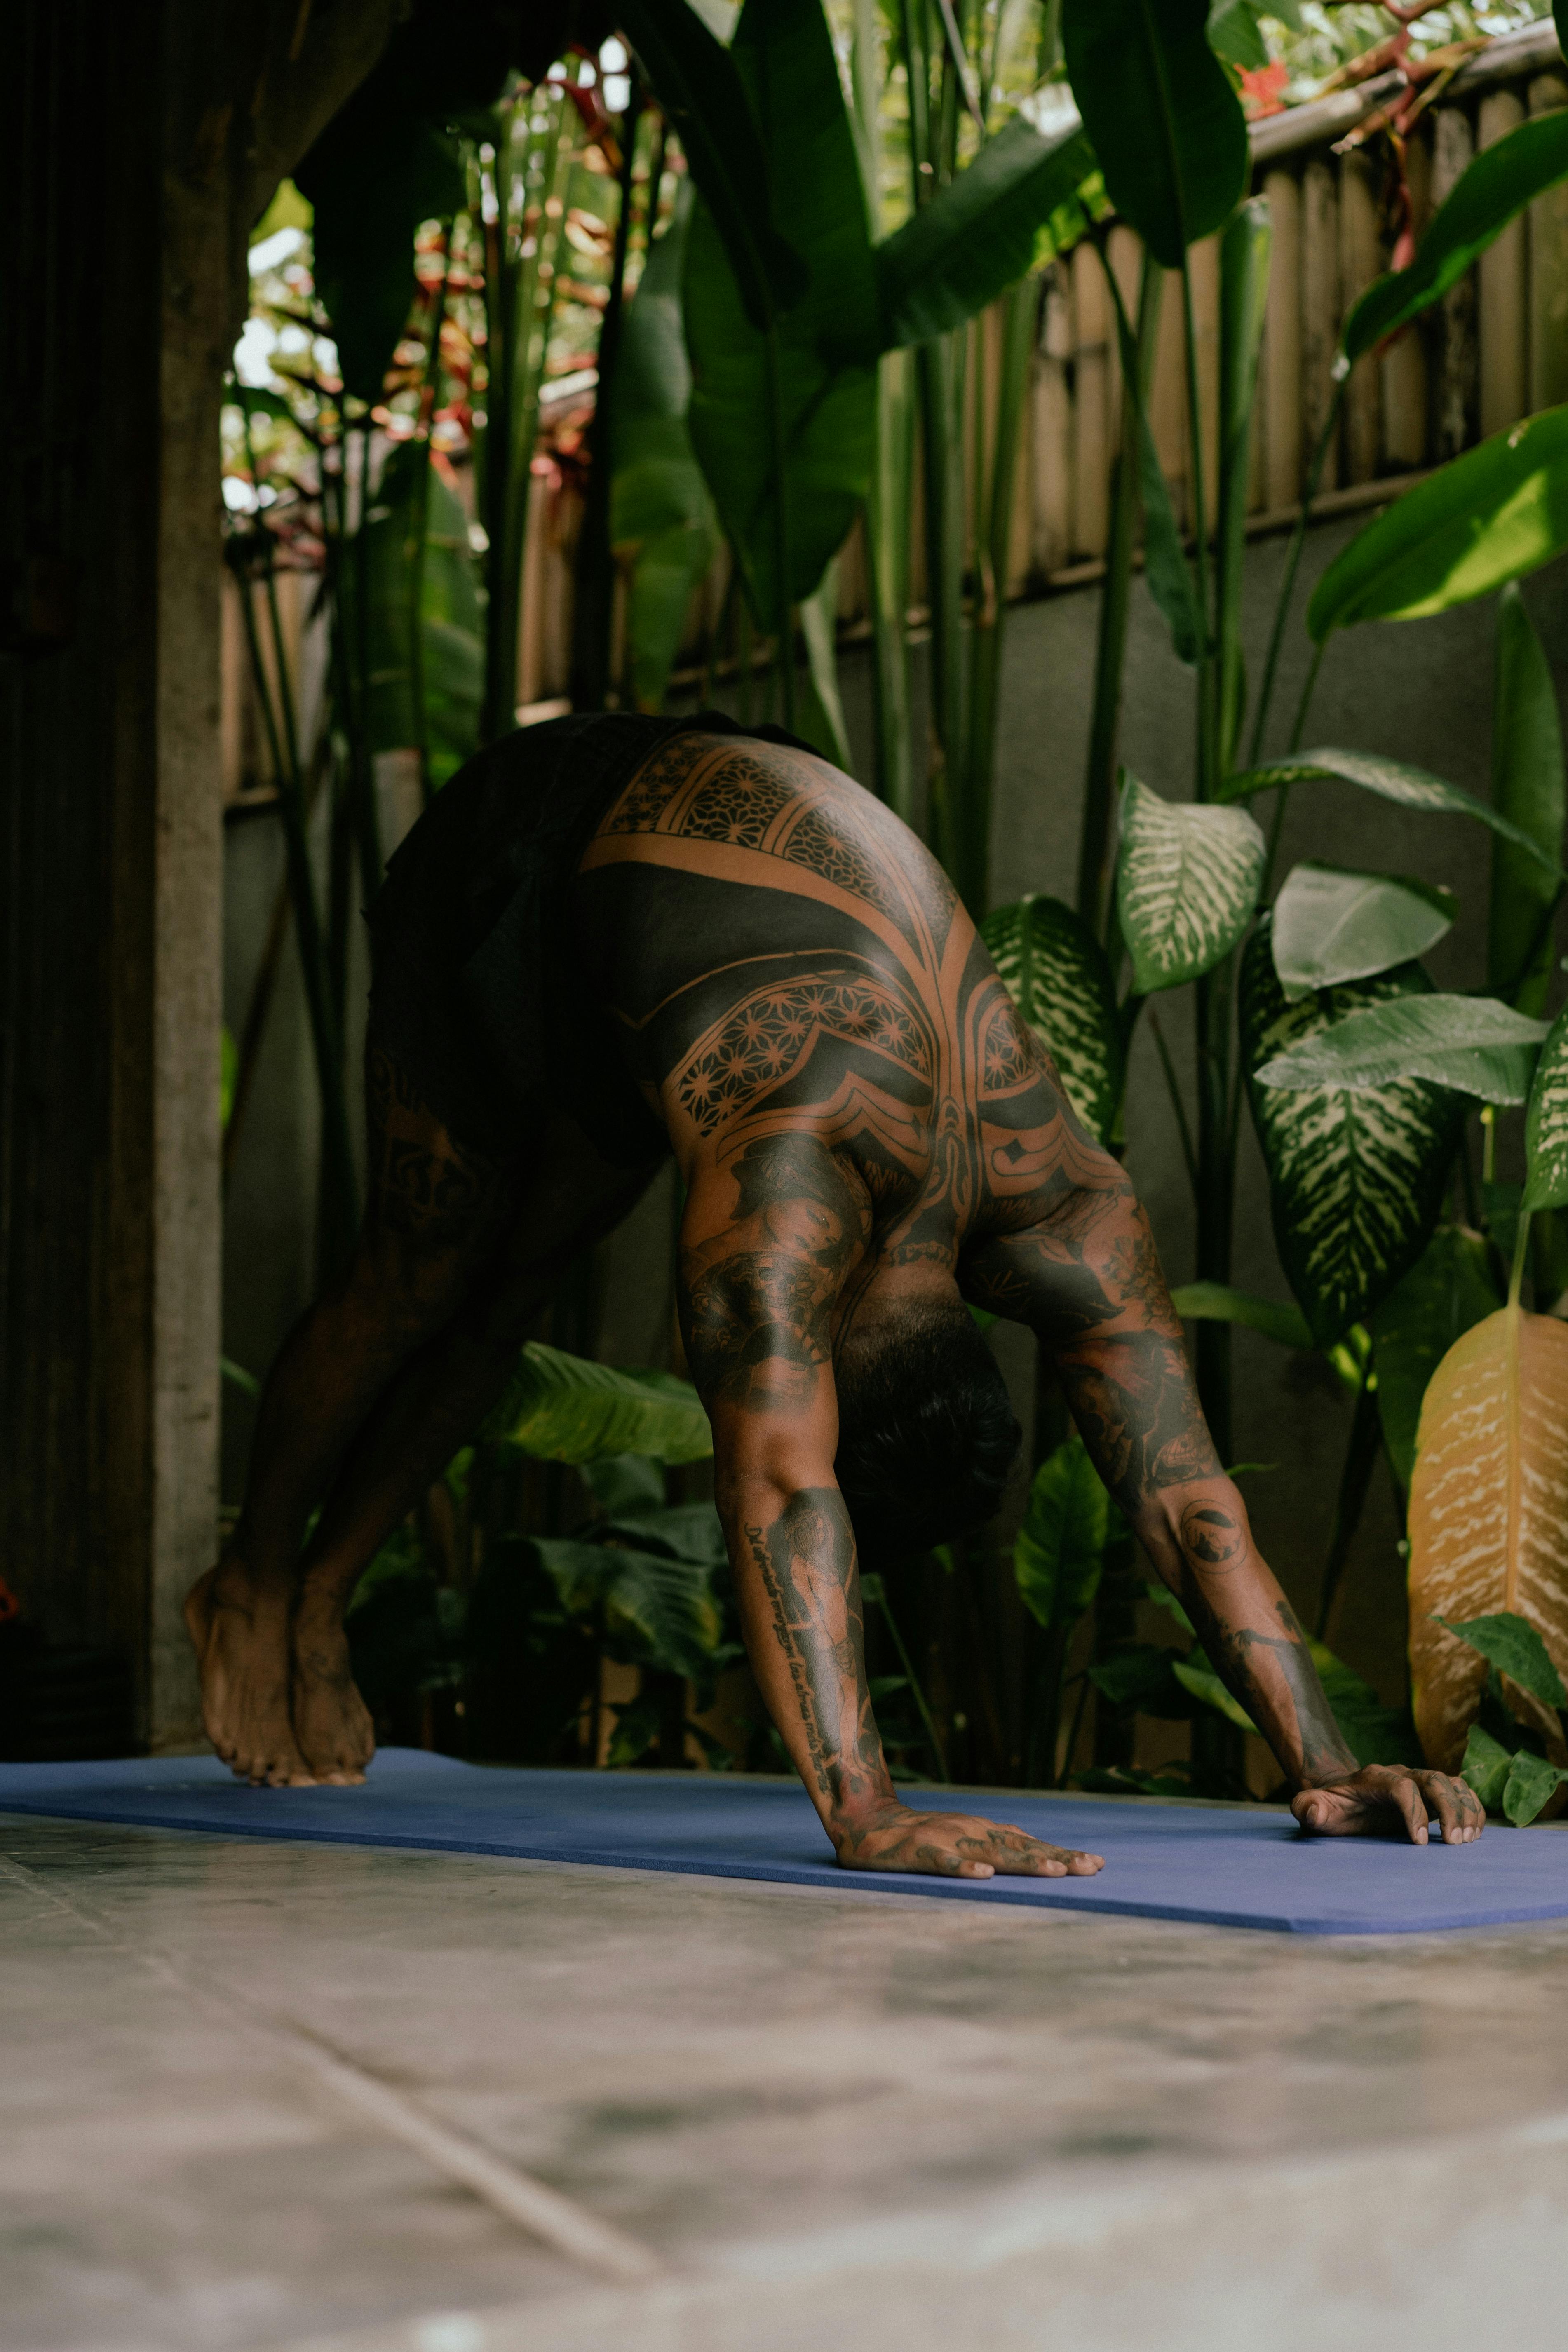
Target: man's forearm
799 1589
1197 1537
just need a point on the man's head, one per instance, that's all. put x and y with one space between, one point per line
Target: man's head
926 1431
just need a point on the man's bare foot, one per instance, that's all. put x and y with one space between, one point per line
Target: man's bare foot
239 1629
332 1722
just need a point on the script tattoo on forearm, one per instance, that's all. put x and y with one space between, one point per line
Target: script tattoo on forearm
805 1559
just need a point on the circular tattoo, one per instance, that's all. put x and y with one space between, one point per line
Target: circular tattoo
1210 1537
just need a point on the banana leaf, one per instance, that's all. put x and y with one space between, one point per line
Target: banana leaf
1162 113
656 1611
565 1409
1485 518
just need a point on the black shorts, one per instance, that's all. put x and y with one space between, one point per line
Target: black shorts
479 993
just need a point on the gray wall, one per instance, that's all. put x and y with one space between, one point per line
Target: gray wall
1420 692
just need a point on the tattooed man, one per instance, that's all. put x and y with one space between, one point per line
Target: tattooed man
615 938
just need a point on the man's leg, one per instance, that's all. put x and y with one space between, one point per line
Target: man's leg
435 1211
423 1418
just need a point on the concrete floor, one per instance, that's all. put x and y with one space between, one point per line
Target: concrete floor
297 2095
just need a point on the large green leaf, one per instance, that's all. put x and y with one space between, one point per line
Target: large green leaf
1022 198
1332 924
565 1409
1187 884
1057 973
1546 1124
1487 517
451 617
1217 1302
1486 1766
656 1611
826 345
1234 33
1056 1556
1448 1289
378 170
1391 780
1159 107
1355 1178
709 104
1165 566
1197 1676
1470 1043
1528 789
661 517
1492 190
1530 1782
1514 1646
675 1531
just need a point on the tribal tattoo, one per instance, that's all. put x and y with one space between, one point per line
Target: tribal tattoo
806 1560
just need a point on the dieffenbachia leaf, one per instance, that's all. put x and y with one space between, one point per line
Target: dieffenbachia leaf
1514 1646
1448 1289
1531 1780
1487 517
1355 1177
1056 972
1056 1557
1391 780
1470 1043
1330 924
565 1409
1486 1766
1491 191
1488 1531
1187 884
1528 791
1546 1124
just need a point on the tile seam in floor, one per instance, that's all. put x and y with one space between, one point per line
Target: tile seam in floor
529 2204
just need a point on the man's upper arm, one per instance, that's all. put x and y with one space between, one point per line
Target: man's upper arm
770 1228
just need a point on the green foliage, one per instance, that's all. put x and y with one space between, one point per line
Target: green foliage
1450 1288
811 370
1355 1177
1546 1124
1165 122
708 103
1487 517
372 176
1528 789
657 1609
1511 1644
1057 975
1056 1557
1530 1782
1493 190
1471 1043
1217 1302
1186 883
1390 780
1165 565
1022 198
1486 1766
1331 924
431 689
661 517
565 1409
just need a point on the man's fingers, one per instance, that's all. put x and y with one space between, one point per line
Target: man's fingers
1456 1805
1407 1797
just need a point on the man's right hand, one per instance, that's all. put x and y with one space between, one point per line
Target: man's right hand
891 1836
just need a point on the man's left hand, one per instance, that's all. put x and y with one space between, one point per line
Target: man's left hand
1381 1799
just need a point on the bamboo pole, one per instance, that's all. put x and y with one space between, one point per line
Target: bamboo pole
1455 405
1319 315
1404 365
1282 346
1090 438
1360 260
1504 378
1052 435
1548 242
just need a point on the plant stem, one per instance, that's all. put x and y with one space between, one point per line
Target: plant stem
1521 1251
1292 560
1361 1450
593 612
1096 863
1177 1104
913 1680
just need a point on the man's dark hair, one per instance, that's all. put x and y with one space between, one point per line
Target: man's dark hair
926 1431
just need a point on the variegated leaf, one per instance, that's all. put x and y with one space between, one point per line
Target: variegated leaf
1186 883
1489 1516
1056 972
1355 1177
1546 1124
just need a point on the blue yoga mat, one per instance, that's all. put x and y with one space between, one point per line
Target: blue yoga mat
1247 1868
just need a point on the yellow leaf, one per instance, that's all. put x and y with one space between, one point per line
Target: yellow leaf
1489 1516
